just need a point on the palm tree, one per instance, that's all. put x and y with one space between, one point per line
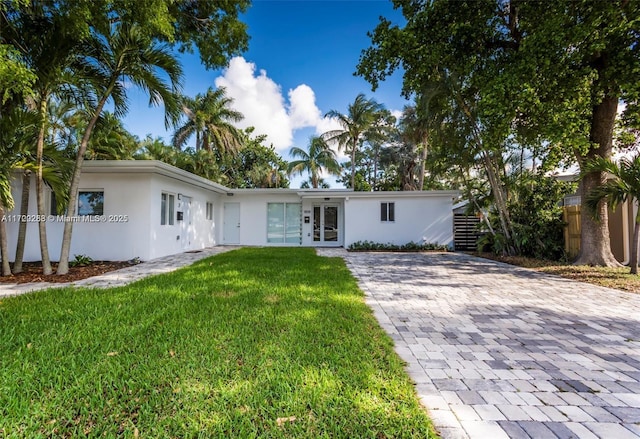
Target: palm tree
622 184
111 141
210 119
123 53
48 48
17 128
321 184
419 122
319 157
362 120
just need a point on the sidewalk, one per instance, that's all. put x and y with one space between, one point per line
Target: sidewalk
123 276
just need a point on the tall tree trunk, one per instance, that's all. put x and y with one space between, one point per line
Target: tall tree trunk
633 261
63 264
492 174
353 164
595 243
22 228
42 226
4 245
423 163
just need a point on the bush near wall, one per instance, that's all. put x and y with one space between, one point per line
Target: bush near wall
368 246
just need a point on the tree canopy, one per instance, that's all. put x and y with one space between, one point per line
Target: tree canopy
547 75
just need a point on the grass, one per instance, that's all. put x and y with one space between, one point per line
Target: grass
618 278
271 343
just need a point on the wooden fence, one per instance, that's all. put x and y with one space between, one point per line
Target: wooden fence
571 216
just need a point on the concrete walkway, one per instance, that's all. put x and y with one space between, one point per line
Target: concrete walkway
123 276
502 352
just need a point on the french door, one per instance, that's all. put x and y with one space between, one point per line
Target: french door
326 224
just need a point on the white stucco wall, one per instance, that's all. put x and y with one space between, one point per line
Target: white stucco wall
253 213
126 194
417 219
170 239
136 196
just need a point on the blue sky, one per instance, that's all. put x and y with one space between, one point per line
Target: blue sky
300 64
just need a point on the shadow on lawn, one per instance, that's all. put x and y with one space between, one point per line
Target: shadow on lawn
228 345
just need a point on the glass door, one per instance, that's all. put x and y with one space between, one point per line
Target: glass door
326 226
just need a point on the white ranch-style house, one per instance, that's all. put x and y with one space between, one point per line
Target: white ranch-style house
148 209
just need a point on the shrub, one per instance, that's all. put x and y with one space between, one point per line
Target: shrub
81 261
365 246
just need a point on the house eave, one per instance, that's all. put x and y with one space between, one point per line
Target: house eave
150 167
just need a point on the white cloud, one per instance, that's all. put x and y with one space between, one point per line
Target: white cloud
302 107
263 105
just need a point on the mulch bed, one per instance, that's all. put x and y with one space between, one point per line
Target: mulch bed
32 272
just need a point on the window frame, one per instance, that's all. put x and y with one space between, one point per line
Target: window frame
167 208
209 211
81 192
387 211
286 220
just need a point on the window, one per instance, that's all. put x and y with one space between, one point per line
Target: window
90 203
53 204
284 223
167 203
209 211
387 212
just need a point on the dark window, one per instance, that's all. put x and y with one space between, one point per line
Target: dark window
387 212
90 203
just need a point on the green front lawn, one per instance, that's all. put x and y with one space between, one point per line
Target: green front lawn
250 343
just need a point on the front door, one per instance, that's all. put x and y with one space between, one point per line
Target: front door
326 224
231 226
186 226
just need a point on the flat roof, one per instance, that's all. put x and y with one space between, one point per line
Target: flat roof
164 169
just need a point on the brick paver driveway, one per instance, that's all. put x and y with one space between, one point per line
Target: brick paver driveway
498 351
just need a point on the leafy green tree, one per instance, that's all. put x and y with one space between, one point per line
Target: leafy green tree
47 47
111 141
362 120
125 52
420 122
155 149
556 70
212 28
210 118
622 184
307 184
16 79
317 158
255 166
535 204
17 128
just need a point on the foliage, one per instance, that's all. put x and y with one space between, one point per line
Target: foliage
210 118
317 158
622 184
16 79
538 76
81 261
365 121
172 356
255 165
211 28
365 246
535 205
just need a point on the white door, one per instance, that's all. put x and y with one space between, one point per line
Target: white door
326 225
231 226
186 225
